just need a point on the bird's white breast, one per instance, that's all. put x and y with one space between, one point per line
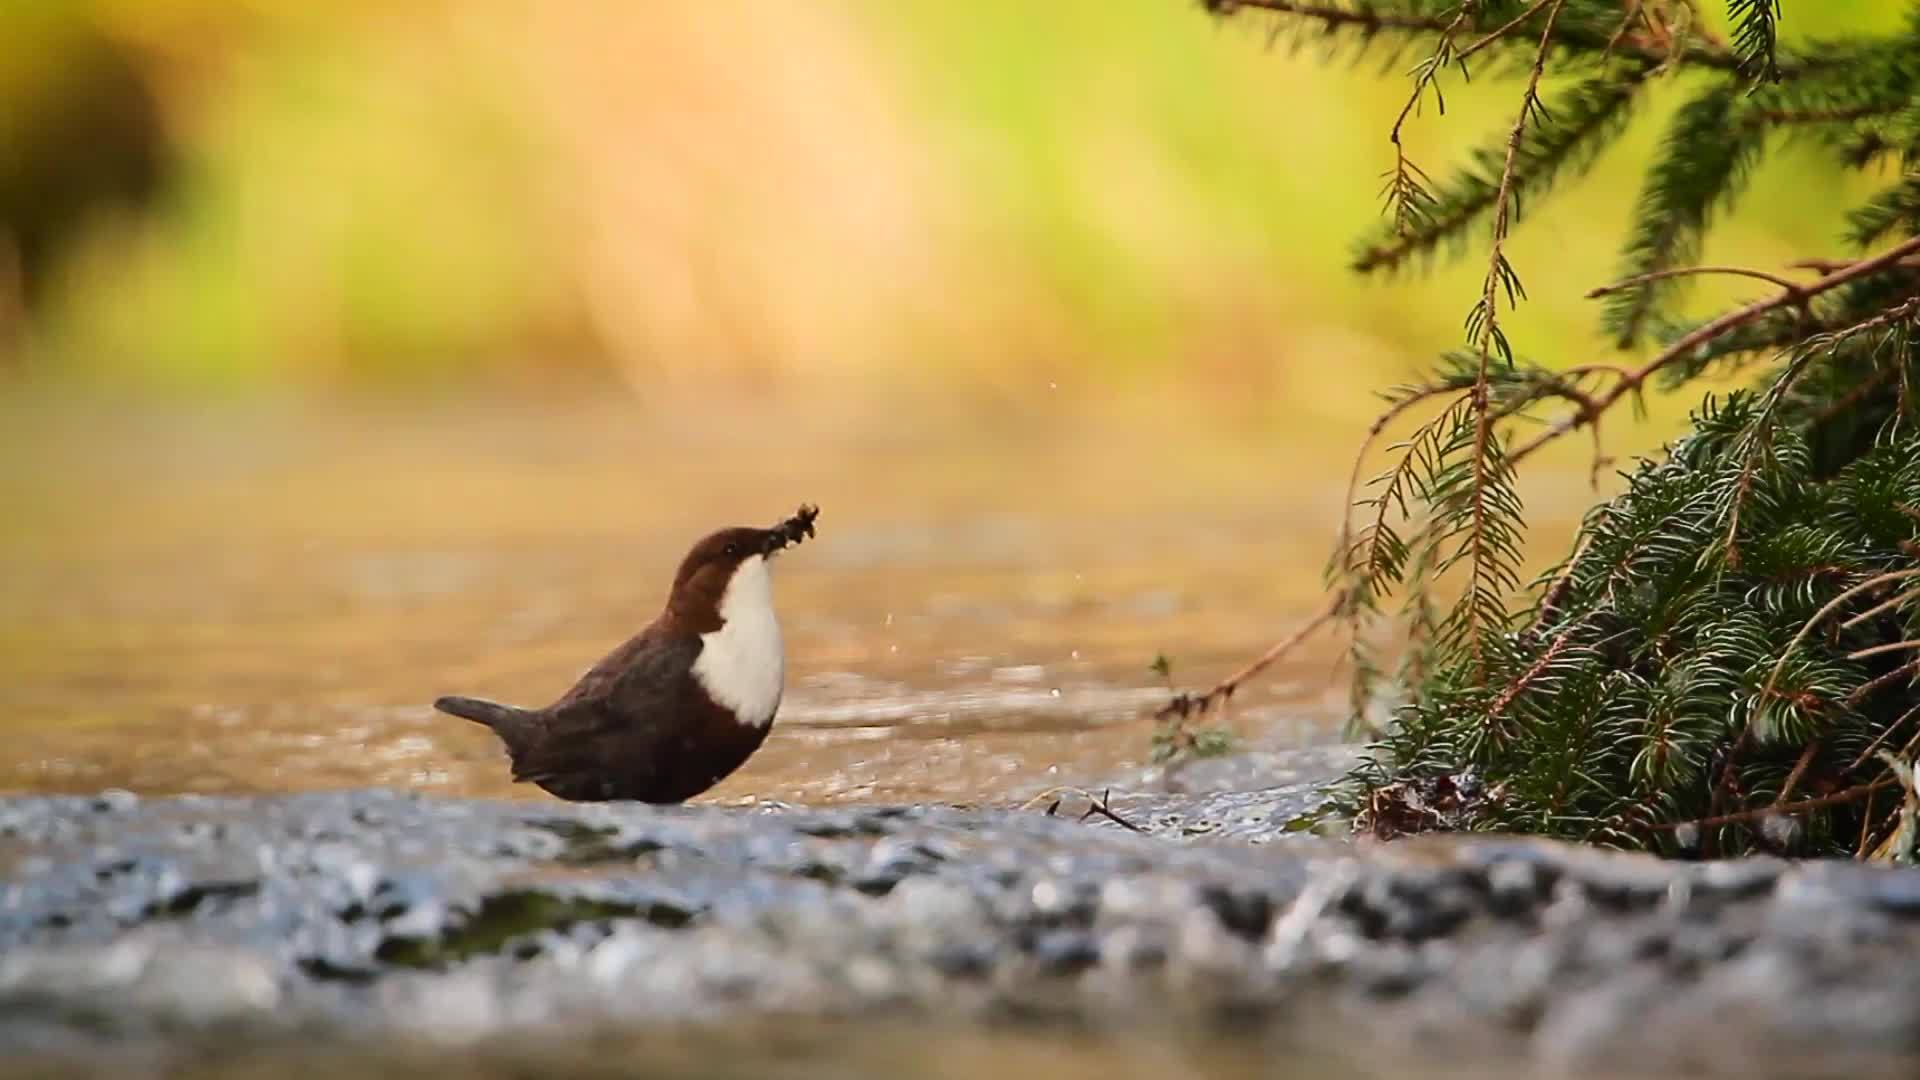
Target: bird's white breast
743 664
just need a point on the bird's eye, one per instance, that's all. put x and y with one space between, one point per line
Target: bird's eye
733 549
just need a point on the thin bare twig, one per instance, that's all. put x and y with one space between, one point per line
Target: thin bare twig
1556 593
1880 682
1689 271
1104 808
1799 770
1519 685
1495 35
1880 608
1862 757
1097 805
1828 266
1620 32
1891 646
1184 705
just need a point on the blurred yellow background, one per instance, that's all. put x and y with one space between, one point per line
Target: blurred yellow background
357 352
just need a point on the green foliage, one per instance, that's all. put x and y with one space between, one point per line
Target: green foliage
1755 36
1587 119
1702 165
1729 658
1174 740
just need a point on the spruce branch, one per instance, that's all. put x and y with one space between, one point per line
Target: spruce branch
1408 199
1503 29
1486 571
1708 332
1686 672
1380 550
1365 17
1756 37
1596 38
1755 441
1634 12
1702 166
1897 208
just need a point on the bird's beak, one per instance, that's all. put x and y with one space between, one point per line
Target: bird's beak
791 531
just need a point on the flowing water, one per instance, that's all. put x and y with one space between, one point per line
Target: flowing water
261 597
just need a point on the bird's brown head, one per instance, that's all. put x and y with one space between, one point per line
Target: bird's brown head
701 583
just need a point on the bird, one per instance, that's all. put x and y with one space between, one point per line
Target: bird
680 705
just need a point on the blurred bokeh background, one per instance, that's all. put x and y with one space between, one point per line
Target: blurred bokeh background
352 353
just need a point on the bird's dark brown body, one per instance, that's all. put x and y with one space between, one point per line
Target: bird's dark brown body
679 706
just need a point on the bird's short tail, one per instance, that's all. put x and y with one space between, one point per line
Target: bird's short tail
506 721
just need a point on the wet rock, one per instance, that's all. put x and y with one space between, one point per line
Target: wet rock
1261 796
379 917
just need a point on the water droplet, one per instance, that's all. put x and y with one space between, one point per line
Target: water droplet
889 618
893 648
1053 386
1076 654
1055 692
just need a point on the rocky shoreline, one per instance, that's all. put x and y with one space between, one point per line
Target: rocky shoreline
137 934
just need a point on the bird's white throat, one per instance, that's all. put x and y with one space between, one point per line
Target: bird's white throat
743 664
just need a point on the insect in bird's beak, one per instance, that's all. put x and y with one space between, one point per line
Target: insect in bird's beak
793 530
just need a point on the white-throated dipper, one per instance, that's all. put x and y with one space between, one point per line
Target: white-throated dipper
683 703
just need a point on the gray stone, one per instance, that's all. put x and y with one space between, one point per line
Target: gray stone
135 930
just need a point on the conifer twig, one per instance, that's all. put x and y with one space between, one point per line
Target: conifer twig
1499 272
1827 609
1379 425
1407 193
1620 32
1599 291
1495 35
1334 15
1703 49
1702 334
1519 686
1828 266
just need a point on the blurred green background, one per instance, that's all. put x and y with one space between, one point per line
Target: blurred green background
357 352
362 193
